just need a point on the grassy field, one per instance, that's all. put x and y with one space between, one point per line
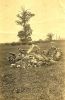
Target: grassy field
41 83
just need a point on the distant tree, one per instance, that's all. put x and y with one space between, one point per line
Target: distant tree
25 34
50 36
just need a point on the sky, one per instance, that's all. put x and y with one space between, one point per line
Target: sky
49 18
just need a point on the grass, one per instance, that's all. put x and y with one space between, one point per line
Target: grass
40 83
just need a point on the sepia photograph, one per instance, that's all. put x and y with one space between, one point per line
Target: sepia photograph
32 49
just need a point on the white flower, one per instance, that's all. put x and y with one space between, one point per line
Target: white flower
13 65
18 66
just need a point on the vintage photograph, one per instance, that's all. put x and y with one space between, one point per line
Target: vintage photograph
32 49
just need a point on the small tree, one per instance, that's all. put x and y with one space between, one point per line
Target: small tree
25 33
50 36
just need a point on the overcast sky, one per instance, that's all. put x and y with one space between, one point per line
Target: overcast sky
49 18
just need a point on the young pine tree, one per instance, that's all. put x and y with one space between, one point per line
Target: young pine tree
26 32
